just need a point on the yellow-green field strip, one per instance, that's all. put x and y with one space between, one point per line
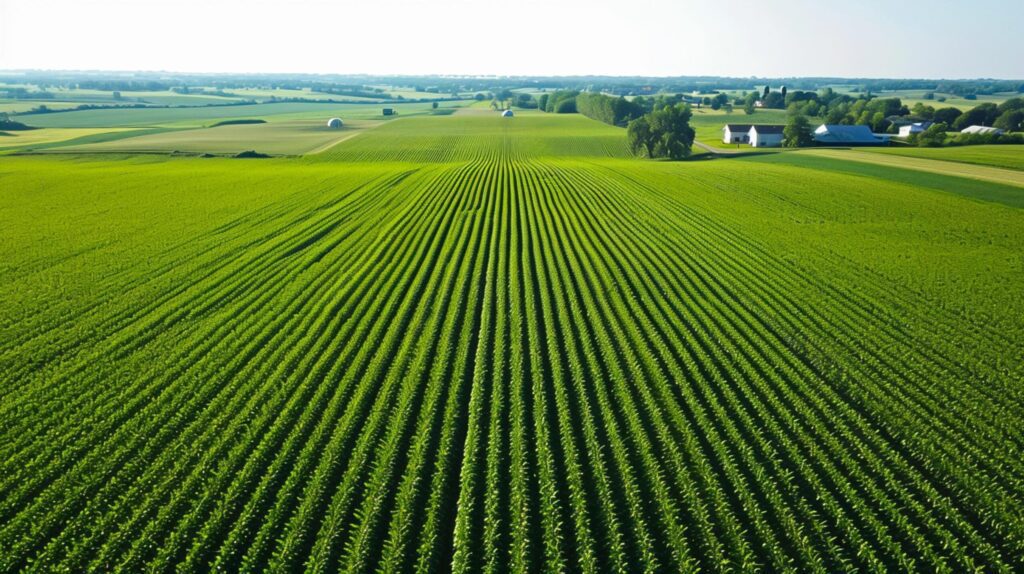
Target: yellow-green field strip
952 168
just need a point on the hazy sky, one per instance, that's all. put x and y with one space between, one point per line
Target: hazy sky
876 38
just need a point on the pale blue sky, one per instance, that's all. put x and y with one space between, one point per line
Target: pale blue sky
850 38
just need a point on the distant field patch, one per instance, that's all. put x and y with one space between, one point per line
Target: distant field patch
30 138
201 116
21 106
444 139
952 168
278 138
238 122
1007 156
963 186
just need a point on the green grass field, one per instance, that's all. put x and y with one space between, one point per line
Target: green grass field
34 138
471 343
1005 156
202 116
934 165
284 137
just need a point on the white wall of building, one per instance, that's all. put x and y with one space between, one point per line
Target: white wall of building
764 140
734 137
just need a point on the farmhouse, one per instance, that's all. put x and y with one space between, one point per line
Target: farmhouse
736 133
335 123
506 114
981 130
389 111
833 134
765 136
914 128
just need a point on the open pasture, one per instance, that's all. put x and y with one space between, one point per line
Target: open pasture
972 170
203 116
479 134
43 137
1004 156
468 343
293 137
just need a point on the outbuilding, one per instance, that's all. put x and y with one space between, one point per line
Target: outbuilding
765 136
914 128
736 133
981 130
389 111
507 114
335 123
834 134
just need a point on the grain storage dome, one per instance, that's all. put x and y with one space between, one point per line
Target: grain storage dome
335 123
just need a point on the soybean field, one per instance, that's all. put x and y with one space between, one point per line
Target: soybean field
469 343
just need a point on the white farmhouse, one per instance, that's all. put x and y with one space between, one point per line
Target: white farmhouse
914 128
736 133
765 136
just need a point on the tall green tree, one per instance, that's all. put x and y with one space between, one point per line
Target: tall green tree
664 133
947 115
640 137
1010 120
934 136
797 132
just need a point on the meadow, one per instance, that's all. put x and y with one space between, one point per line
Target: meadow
279 137
471 343
204 116
1006 156
42 137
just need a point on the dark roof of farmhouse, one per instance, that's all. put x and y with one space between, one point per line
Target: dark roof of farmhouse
766 129
738 127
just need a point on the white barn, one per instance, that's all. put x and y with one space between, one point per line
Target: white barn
766 136
914 128
981 130
736 133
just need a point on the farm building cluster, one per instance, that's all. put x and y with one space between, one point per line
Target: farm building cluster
826 134
755 135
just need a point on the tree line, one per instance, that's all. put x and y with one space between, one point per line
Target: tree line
884 114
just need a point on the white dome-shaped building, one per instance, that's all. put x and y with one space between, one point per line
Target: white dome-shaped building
335 123
506 114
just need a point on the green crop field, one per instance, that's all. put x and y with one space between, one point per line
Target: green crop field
34 138
957 169
201 116
471 343
1006 156
279 137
